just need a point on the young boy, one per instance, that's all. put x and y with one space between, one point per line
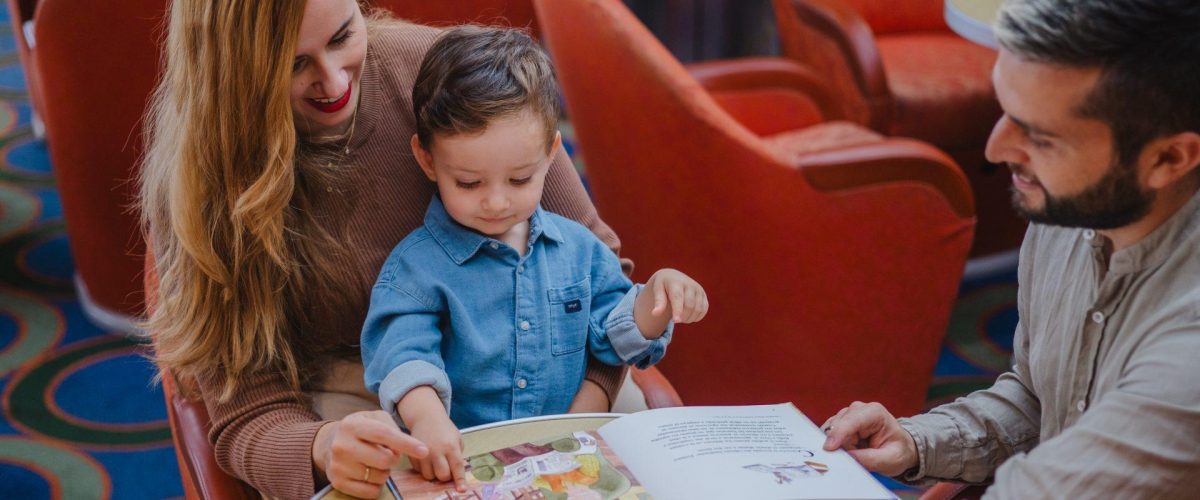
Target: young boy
489 310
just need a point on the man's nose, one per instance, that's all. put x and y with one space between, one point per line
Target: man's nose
1003 145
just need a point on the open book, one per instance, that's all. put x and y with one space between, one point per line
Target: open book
718 452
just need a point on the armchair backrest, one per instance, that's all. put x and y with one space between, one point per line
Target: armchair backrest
799 273
97 62
898 16
514 13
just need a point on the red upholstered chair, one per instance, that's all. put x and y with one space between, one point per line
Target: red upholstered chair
21 12
830 254
95 64
90 76
954 491
188 417
514 13
896 66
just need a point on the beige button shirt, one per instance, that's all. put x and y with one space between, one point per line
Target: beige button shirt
1104 398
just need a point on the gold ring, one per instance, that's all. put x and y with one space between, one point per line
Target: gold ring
367 474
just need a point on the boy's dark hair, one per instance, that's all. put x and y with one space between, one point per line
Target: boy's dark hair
474 74
1148 51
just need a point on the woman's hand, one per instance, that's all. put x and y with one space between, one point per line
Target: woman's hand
444 461
357 452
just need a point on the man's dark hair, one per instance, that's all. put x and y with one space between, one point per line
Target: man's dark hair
473 74
1148 52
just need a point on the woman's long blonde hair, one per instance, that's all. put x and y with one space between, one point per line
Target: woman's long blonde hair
225 201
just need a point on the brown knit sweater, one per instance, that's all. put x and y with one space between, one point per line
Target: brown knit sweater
264 434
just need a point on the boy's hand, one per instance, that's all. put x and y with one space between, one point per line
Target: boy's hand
678 295
444 460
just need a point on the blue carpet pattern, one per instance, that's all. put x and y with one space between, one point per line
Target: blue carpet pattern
81 416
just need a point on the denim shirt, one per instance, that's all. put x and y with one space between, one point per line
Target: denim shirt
496 334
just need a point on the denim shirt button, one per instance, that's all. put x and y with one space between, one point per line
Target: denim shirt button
520 269
525 325
495 245
521 383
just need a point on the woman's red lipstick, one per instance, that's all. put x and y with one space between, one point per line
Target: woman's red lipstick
334 106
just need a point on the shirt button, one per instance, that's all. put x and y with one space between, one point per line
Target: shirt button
525 325
1080 406
1088 234
521 383
495 245
520 269
1098 317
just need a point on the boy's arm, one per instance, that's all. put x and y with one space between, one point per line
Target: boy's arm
614 337
400 345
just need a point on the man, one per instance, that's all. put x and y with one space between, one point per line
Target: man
1102 134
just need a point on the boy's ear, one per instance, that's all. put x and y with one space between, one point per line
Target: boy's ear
557 143
424 159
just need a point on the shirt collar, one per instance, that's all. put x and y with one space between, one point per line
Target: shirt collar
461 243
1165 240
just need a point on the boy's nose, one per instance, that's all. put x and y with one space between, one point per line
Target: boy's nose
495 201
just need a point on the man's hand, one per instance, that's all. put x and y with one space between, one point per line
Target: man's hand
357 452
873 437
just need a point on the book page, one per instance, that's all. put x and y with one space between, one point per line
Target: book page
761 452
576 466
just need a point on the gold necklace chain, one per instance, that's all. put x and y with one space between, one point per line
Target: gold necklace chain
353 122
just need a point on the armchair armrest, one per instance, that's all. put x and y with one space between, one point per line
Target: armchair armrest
198 469
202 477
890 160
768 95
954 491
847 29
658 391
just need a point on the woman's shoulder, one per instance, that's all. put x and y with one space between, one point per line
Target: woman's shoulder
393 38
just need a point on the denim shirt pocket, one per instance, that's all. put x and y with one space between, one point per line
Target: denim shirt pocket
570 308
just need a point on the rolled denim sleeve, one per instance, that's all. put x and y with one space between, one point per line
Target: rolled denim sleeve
620 335
613 335
401 345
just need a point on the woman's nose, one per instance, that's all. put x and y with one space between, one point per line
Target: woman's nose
329 78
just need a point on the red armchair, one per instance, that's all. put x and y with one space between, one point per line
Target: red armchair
896 66
831 255
89 77
515 13
95 64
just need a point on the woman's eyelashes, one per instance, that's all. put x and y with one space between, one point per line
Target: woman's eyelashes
341 39
336 42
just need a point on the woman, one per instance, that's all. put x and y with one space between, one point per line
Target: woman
276 181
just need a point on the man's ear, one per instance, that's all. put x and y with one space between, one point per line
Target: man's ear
1171 158
424 159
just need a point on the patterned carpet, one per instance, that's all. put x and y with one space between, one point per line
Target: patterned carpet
81 418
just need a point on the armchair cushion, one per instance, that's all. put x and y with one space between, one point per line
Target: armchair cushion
942 89
790 147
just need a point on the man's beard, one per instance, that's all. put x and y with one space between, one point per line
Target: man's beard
1114 201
